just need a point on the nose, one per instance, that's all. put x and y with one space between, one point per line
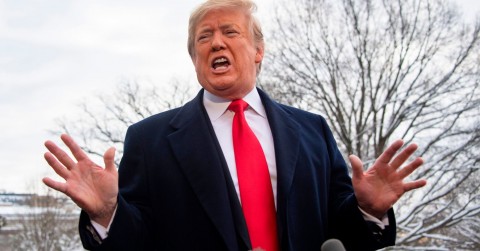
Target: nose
217 42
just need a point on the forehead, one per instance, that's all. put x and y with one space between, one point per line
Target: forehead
222 18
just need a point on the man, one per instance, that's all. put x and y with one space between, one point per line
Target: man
181 185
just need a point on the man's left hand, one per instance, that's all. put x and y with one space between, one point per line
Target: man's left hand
382 185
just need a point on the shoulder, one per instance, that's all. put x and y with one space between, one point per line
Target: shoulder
173 117
308 123
158 120
304 118
297 114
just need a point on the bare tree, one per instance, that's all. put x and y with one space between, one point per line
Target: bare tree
3 222
50 224
381 70
102 122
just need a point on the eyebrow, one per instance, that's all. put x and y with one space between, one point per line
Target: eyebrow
209 29
227 25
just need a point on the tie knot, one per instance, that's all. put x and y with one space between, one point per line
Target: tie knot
238 105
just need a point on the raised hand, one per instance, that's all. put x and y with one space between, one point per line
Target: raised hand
382 185
92 187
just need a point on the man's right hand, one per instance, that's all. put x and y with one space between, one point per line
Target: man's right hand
92 187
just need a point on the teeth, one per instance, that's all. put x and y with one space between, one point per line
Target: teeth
220 60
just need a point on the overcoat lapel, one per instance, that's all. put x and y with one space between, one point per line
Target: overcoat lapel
285 132
195 148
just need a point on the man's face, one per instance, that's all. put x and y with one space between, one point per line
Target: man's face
225 55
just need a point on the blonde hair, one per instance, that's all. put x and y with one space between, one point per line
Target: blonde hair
246 5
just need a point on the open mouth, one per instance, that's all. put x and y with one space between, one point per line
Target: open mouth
220 63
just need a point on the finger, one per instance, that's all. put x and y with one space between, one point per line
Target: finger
77 152
414 185
388 154
56 166
403 156
61 155
59 186
109 159
412 166
357 166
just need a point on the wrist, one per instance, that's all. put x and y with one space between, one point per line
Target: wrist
104 216
378 213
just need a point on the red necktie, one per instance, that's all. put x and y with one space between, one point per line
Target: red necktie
254 182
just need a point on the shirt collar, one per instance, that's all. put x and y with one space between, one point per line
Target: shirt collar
216 106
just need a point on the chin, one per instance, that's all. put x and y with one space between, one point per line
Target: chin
220 84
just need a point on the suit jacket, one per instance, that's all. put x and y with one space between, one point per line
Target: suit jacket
176 192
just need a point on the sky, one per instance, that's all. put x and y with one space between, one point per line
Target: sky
54 53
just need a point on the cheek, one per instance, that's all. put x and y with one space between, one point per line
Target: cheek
200 57
199 64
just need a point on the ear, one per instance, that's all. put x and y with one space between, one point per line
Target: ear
259 55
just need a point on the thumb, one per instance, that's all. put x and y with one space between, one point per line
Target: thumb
357 166
109 159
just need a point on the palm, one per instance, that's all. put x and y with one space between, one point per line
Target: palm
382 185
90 186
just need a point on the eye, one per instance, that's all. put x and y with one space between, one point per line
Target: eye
231 32
202 37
